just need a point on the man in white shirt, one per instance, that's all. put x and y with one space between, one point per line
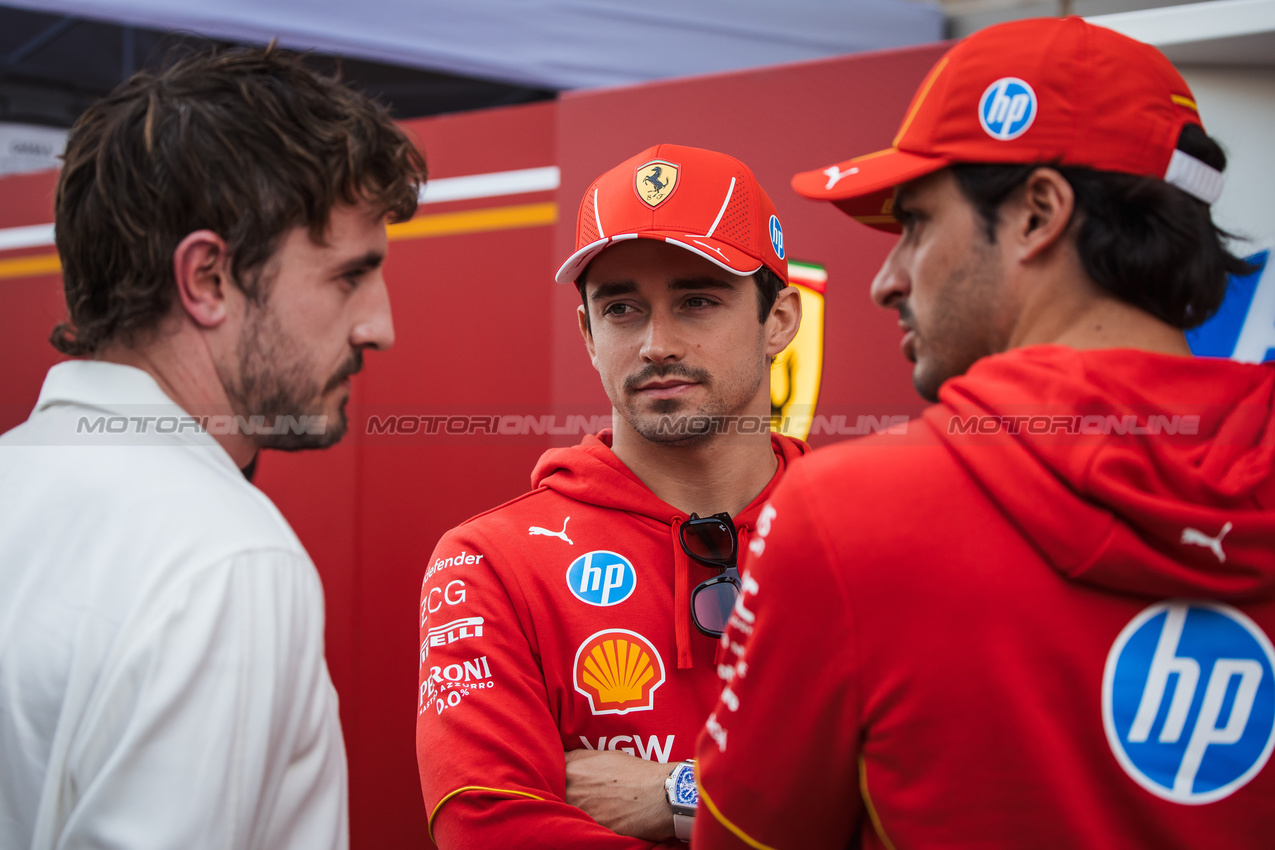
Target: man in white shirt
221 225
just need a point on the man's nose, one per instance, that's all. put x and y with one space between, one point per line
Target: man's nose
663 341
374 325
892 281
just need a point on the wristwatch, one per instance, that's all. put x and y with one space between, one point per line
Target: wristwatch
683 798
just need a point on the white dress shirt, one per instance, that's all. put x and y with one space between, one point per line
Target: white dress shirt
162 679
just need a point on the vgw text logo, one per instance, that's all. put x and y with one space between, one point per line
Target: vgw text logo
601 578
1188 700
1007 108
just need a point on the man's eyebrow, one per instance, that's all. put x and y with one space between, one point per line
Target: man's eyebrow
704 282
365 263
610 290
626 287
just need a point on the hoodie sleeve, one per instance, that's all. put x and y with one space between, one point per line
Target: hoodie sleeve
778 758
491 760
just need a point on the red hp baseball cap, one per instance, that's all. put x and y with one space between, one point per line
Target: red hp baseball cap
1047 90
706 202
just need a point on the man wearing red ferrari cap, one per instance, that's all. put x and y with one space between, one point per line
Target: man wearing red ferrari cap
1045 620
568 638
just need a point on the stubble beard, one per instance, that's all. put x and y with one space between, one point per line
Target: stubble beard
956 335
669 422
274 382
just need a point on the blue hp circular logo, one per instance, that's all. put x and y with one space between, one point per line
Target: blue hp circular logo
602 578
1007 109
776 237
1188 700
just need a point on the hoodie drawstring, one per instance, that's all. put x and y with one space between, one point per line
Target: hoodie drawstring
744 533
681 598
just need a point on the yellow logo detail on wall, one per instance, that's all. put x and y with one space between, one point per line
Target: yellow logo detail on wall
796 373
655 181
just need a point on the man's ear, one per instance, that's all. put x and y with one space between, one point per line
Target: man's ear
784 320
582 316
201 267
1040 214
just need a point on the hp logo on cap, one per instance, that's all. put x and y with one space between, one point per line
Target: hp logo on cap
776 237
1007 108
1188 701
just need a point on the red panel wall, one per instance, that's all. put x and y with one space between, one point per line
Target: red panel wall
29 306
482 329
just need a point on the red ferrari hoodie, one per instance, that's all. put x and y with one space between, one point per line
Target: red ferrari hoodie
1042 618
559 621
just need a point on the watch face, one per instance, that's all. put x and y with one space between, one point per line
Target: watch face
684 791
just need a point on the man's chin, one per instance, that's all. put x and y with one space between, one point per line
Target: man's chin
926 383
929 377
678 425
668 407
300 432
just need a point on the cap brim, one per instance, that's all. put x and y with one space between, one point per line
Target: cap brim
863 187
726 256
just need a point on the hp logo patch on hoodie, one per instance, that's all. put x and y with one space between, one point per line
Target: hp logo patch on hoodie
602 578
1188 700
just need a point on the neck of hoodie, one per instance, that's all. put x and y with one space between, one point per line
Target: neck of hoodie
723 473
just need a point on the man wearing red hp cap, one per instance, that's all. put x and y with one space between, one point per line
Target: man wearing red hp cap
568 638
1043 621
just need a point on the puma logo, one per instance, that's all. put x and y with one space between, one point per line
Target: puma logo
535 529
835 174
709 247
1199 538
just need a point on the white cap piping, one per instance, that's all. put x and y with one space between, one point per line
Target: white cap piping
717 261
597 218
722 211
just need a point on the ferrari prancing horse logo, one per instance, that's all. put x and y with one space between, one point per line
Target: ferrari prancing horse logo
655 181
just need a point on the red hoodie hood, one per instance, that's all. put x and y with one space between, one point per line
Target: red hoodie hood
1136 472
591 473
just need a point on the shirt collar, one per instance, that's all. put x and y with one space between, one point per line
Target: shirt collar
112 387
119 390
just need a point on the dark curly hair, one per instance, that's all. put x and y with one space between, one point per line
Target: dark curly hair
248 143
1140 239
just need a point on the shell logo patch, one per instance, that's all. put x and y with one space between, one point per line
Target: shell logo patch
618 671
655 182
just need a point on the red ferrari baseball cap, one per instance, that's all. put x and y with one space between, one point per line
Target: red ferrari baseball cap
1047 90
704 201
